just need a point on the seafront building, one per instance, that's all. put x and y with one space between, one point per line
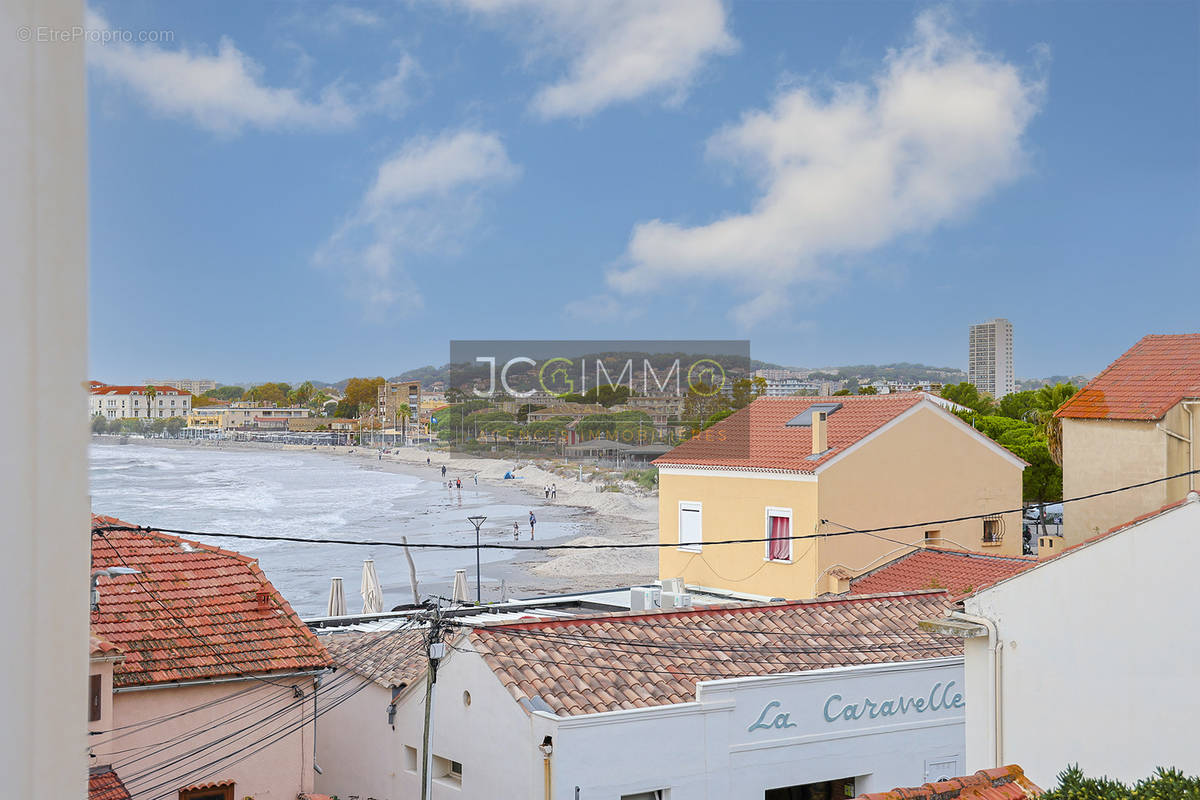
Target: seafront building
245 415
120 402
990 358
202 676
1137 421
758 701
391 397
823 468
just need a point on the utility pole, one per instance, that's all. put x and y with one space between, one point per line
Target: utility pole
436 650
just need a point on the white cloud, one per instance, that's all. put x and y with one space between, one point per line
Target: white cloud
224 92
938 128
618 50
221 91
425 199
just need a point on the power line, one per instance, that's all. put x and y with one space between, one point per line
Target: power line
616 545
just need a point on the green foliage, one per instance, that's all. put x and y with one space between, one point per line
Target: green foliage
99 424
746 390
268 393
605 395
301 394
175 425
965 394
523 411
364 392
1164 784
700 403
625 426
714 418
867 390
645 478
345 409
1042 479
842 392
226 393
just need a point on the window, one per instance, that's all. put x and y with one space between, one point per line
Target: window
410 758
209 792
779 529
656 794
447 771
690 530
94 698
993 530
933 538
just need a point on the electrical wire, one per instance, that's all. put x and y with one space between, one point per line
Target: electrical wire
614 545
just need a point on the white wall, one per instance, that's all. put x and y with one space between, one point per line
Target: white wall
43 351
1099 652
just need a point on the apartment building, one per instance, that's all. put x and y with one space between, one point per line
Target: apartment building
990 360
148 401
1134 422
246 415
394 395
193 385
823 468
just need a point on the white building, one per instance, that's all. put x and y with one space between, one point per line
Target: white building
1079 660
844 695
120 402
990 360
193 385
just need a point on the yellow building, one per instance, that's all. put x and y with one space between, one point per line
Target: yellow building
797 466
1132 423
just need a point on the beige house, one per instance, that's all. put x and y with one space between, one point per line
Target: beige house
390 399
246 415
798 466
1132 423
120 402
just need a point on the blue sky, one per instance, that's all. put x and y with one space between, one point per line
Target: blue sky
289 191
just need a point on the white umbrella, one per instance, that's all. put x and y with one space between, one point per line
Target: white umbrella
459 595
337 599
372 592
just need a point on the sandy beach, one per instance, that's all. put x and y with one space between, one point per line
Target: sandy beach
596 517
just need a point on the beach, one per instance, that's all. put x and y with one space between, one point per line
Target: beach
360 494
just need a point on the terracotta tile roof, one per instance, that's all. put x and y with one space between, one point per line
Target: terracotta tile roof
102 648
956 571
104 784
105 389
222 616
586 665
1001 783
1145 383
390 658
758 436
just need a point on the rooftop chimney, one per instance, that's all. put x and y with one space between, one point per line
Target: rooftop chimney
1049 546
820 436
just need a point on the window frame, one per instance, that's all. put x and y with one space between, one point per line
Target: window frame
689 506
778 511
198 792
95 697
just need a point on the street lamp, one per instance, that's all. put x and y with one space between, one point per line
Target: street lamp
111 572
477 521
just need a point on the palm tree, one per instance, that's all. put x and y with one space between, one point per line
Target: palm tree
150 393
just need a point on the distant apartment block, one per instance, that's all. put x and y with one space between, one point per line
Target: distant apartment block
120 402
990 362
394 395
786 386
246 416
193 385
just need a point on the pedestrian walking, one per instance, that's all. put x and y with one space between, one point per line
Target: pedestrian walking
476 478
547 490
458 482
516 531
554 491
532 522
427 461
443 470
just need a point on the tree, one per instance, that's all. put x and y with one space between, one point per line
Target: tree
364 392
346 410
965 394
605 395
1018 405
842 392
745 391
99 424
174 426
226 393
700 403
276 393
203 400
150 393
1164 784
867 390
301 394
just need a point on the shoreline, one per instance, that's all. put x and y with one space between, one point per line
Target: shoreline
604 517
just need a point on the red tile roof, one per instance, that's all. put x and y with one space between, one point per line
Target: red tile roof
102 648
586 665
1001 783
106 389
758 436
956 571
1145 383
104 784
222 617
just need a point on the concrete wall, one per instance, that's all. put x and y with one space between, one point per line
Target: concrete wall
735 508
1102 454
1095 669
928 465
43 478
227 721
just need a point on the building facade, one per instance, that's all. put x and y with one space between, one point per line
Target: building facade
1063 668
1134 422
194 385
390 399
633 707
990 358
821 469
120 402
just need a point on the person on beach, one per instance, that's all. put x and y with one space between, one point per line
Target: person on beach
547 489
458 482
516 531
443 470
554 491
532 522
427 461
476 478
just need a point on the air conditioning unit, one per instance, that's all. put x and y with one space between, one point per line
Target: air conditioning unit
643 598
672 585
675 600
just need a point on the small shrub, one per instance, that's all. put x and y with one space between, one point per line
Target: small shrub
1164 784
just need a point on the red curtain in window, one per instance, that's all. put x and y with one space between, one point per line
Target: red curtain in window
780 546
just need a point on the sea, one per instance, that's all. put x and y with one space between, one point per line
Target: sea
302 494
